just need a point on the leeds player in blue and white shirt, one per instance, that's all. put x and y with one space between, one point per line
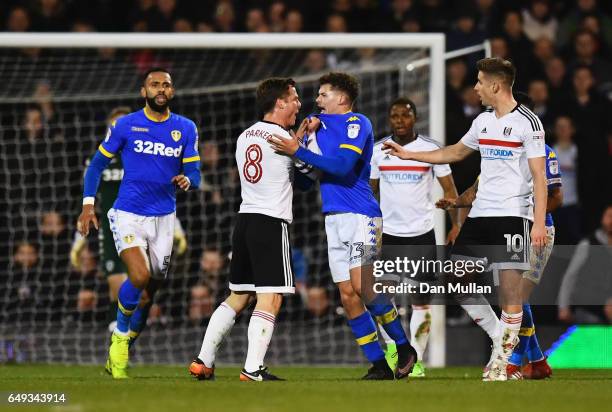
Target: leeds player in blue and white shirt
353 218
159 151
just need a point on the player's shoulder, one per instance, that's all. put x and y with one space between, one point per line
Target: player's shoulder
378 144
126 120
485 115
528 118
428 142
354 117
182 120
356 123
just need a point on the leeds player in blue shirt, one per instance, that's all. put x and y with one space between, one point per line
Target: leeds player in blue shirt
159 151
353 218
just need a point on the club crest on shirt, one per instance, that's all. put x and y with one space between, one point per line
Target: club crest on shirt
353 130
176 135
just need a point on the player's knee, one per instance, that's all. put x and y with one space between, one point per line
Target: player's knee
348 295
140 277
269 302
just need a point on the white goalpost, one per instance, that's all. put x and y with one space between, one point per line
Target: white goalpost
60 88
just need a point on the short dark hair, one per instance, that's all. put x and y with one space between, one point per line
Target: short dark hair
404 101
343 82
154 70
269 90
499 67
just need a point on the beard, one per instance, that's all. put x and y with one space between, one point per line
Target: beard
157 107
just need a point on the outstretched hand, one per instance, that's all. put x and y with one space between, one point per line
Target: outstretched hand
394 149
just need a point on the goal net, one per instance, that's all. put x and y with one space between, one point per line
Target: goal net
58 91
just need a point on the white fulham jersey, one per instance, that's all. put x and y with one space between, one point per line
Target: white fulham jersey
406 188
505 187
266 177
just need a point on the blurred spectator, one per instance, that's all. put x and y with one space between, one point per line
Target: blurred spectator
225 16
591 113
539 21
52 225
201 304
26 255
400 11
587 278
87 301
555 76
81 26
586 54
433 16
255 21
315 61
567 217
276 16
519 46
499 47
471 103
543 51
22 274
50 16
182 25
33 124
336 23
18 20
486 15
44 98
161 18
542 105
571 22
456 81
212 265
211 177
317 301
464 33
294 23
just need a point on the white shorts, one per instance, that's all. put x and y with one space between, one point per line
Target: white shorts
353 240
155 234
537 261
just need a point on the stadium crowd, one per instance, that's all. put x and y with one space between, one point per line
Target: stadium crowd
562 50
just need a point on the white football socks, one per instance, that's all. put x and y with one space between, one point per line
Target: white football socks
420 325
261 327
510 327
482 313
220 324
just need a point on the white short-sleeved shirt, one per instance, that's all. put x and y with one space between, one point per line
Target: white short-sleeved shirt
406 188
266 177
505 187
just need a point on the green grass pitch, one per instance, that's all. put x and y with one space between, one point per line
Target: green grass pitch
312 389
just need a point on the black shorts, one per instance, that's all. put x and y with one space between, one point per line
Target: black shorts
422 247
503 241
261 255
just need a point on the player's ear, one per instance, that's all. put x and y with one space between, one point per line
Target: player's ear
143 92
